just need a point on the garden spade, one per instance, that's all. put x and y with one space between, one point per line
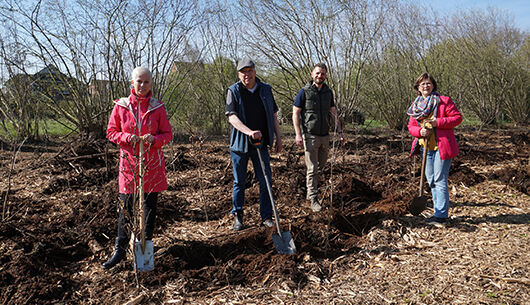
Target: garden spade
419 203
143 249
283 241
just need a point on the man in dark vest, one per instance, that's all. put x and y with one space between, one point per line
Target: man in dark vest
251 111
312 110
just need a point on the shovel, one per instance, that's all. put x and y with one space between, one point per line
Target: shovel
283 241
419 203
142 249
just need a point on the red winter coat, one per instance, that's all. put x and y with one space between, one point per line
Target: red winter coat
447 118
122 125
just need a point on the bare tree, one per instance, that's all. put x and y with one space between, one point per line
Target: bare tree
220 45
517 102
299 34
19 107
102 40
482 43
400 58
71 60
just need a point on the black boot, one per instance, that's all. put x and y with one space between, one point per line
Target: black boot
118 255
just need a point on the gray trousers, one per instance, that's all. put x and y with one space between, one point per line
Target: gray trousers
316 155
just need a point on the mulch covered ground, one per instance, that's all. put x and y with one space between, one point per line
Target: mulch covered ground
363 248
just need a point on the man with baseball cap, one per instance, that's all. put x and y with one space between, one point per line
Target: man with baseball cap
251 111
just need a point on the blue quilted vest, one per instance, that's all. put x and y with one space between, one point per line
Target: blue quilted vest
239 140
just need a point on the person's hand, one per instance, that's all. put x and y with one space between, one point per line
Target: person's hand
148 138
432 122
133 139
279 146
299 140
255 134
425 132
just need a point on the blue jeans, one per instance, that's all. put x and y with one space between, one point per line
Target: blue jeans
437 174
239 165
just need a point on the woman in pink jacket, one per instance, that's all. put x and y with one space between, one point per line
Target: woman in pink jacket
134 119
433 117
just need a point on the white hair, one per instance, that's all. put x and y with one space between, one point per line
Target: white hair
139 71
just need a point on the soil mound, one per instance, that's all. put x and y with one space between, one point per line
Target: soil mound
517 177
461 174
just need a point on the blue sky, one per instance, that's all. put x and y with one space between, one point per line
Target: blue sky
518 9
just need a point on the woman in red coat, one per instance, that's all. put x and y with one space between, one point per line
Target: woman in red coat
433 117
134 119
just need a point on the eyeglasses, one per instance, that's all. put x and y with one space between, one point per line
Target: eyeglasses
425 84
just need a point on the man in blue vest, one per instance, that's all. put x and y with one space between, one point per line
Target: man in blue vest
251 111
313 109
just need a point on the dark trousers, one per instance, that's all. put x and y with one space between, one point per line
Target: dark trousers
124 221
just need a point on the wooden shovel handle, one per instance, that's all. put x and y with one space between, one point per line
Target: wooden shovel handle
423 161
141 192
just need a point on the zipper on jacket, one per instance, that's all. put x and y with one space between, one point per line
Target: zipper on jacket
320 110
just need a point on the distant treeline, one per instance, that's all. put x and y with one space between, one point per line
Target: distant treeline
68 63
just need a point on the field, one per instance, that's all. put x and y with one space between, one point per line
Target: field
363 248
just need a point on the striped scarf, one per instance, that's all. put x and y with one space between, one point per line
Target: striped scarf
422 107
